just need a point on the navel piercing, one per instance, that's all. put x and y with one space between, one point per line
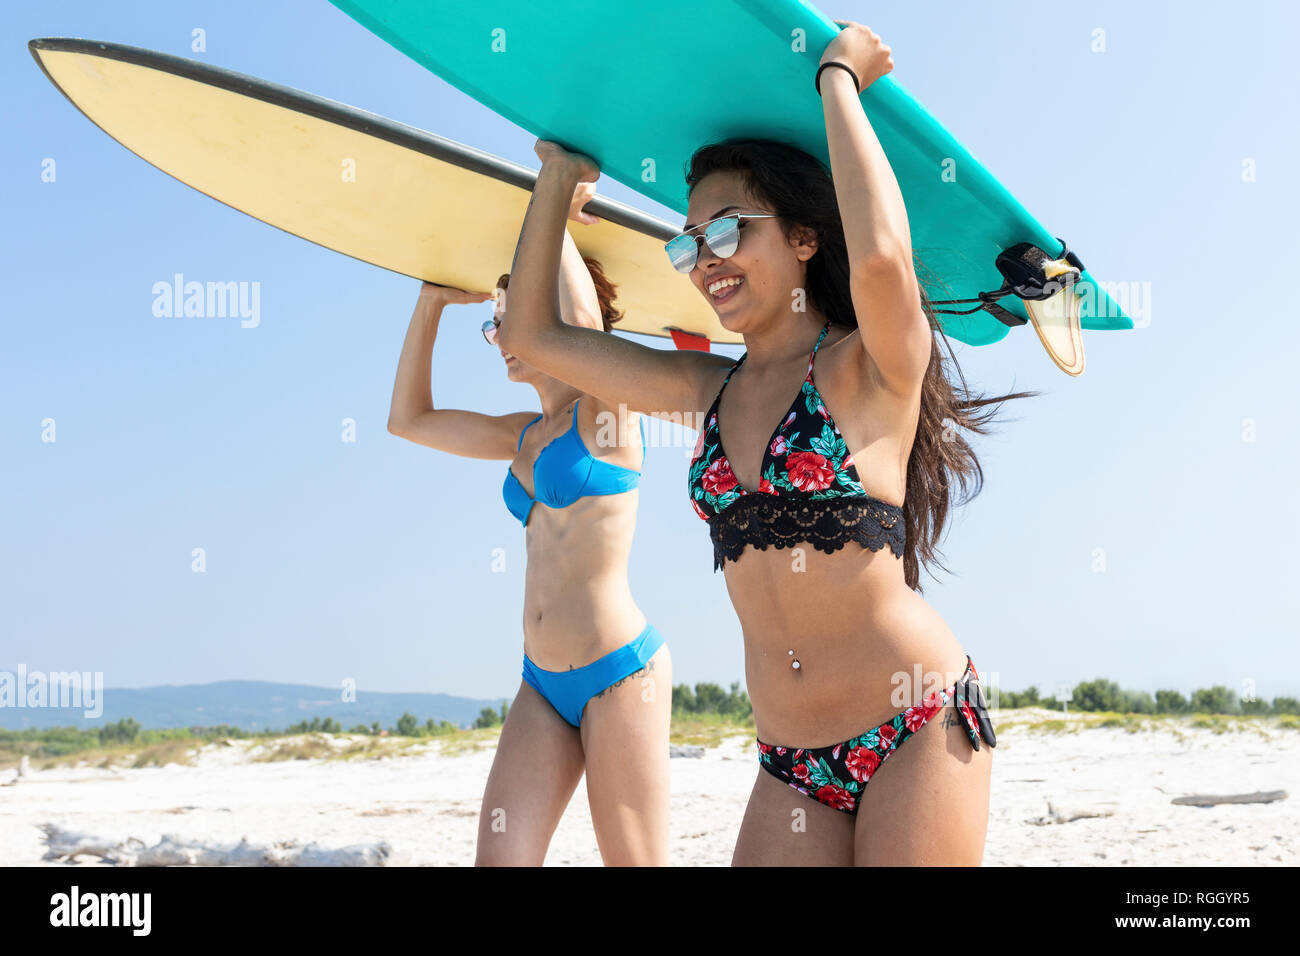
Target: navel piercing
794 663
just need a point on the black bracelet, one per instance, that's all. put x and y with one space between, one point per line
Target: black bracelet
817 80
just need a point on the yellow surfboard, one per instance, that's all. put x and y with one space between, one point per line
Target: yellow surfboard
357 183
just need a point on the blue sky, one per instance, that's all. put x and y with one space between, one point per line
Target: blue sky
370 560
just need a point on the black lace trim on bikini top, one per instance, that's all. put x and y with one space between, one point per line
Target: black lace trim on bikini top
809 489
827 524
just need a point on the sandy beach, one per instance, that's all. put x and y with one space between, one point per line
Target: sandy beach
423 803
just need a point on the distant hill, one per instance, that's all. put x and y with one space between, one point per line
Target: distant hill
250 705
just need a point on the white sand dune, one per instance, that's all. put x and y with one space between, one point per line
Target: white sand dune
423 806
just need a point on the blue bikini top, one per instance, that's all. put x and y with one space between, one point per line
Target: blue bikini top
565 471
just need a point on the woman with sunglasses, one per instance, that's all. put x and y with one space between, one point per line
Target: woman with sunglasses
597 677
844 660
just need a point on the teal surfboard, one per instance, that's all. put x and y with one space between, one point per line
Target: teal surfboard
640 87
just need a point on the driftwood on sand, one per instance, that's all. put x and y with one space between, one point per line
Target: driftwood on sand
1059 816
685 750
24 770
65 846
1208 800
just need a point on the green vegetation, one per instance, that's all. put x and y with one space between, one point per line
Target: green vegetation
1106 696
703 714
488 717
706 714
712 699
707 730
1175 724
469 741
125 731
112 744
316 726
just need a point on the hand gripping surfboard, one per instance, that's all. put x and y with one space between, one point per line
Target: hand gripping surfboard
639 89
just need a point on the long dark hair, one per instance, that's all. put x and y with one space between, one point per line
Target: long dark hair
799 189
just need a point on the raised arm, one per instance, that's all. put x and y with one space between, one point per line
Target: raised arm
412 415
614 369
893 326
578 302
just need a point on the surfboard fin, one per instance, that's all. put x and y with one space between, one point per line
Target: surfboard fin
1052 304
1056 320
1046 287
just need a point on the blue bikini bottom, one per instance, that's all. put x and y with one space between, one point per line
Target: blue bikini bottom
569 691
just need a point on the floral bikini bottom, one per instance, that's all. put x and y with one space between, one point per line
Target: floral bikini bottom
837 775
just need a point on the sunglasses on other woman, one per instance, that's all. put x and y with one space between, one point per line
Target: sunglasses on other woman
722 235
490 326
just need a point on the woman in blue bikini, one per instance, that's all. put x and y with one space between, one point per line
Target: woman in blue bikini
597 677
844 661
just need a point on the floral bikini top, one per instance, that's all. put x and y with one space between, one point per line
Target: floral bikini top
808 489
